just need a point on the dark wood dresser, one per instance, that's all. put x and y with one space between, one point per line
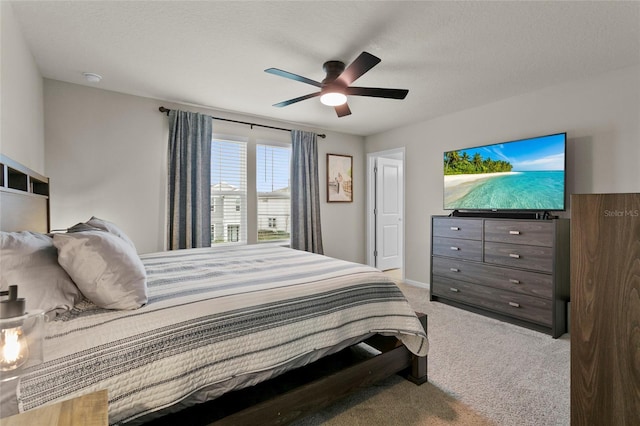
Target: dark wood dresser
605 309
511 269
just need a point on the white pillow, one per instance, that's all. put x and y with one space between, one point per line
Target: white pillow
30 261
105 268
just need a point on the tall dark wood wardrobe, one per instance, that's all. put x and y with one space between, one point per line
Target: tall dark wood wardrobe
605 309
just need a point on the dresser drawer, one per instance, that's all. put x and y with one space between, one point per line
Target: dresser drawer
458 248
521 306
470 229
527 257
535 233
524 282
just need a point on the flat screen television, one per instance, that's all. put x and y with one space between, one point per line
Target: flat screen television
521 175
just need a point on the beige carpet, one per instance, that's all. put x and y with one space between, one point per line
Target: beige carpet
481 372
396 401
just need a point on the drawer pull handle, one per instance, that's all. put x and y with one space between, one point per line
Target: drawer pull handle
514 232
455 248
514 255
453 289
454 228
512 281
454 269
514 304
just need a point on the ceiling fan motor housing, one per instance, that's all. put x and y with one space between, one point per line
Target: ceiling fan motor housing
331 83
333 69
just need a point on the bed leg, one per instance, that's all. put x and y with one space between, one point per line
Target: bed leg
418 373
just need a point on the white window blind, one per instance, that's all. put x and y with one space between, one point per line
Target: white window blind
228 192
273 169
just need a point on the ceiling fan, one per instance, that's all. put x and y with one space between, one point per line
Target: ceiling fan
337 84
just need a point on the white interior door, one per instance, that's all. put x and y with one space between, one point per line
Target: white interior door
388 213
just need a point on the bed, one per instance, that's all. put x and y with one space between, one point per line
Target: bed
219 323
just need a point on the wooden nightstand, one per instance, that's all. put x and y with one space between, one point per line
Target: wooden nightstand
86 410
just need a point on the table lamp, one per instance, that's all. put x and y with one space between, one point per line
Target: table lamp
20 335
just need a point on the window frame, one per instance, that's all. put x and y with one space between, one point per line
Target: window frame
252 137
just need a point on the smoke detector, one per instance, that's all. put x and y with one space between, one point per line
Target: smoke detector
92 77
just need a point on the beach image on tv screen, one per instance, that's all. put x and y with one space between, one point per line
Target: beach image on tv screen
520 175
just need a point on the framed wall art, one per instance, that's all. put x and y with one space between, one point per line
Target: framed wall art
339 178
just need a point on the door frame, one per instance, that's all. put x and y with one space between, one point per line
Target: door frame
397 153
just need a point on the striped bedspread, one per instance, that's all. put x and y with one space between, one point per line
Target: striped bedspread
215 316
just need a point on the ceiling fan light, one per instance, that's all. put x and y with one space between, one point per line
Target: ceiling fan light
333 98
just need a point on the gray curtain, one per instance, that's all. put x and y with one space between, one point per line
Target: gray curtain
189 180
305 193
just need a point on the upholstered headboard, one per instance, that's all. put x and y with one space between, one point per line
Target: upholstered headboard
24 198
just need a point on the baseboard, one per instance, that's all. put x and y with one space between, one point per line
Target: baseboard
418 284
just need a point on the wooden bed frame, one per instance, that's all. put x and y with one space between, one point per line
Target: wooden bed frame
319 390
305 390
24 205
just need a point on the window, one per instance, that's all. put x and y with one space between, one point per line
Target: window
273 165
231 219
228 191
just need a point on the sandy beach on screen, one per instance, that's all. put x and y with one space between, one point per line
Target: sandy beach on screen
451 181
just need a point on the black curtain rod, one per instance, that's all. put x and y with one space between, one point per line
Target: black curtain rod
166 110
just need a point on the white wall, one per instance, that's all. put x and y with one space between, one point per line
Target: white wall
106 156
21 107
600 115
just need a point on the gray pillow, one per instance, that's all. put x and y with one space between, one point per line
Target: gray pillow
105 268
96 223
30 261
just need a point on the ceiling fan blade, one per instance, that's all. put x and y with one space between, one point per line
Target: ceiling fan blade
377 92
292 76
342 110
294 100
361 65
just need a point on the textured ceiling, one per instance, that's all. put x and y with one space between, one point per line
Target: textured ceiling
449 55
